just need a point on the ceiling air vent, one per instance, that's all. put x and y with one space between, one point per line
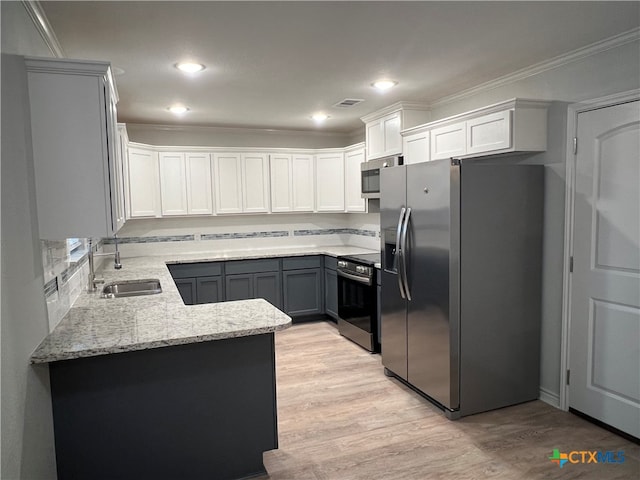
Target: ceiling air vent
348 102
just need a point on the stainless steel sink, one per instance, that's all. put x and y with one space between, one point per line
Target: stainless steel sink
131 288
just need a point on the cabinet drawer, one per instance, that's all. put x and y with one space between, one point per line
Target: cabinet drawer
297 263
253 266
330 262
191 270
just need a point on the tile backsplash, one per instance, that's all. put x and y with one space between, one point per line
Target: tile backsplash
65 274
66 270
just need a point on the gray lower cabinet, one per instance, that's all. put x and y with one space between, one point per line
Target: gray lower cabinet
303 286
268 286
208 289
247 279
300 286
187 289
239 287
331 293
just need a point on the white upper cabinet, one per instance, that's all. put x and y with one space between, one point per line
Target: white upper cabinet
255 182
330 182
374 139
449 141
73 133
415 147
241 182
173 183
303 184
199 189
382 128
391 126
281 183
227 179
292 185
352 180
143 183
512 126
383 136
489 132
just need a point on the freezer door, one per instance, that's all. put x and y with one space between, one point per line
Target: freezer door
431 328
393 304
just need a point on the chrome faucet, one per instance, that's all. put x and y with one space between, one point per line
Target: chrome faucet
92 284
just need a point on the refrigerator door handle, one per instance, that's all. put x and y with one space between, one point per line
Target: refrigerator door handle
403 242
398 254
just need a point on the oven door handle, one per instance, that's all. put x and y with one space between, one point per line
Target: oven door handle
355 278
399 254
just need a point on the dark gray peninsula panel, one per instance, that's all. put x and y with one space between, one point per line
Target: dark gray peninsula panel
197 411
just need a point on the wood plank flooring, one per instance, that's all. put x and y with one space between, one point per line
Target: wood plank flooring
341 418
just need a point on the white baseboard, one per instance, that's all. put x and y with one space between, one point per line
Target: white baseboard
551 398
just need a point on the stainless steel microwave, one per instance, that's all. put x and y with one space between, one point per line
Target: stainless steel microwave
370 174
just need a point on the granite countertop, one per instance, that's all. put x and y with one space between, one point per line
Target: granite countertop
97 326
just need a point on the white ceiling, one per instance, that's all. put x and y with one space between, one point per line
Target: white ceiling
272 64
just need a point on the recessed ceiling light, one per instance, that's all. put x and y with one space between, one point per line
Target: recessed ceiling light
178 109
384 85
319 117
189 67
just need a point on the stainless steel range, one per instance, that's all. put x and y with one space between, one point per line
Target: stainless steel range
358 300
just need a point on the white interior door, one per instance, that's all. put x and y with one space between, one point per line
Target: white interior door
604 355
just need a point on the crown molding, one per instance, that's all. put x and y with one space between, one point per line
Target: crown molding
236 130
40 21
239 150
535 69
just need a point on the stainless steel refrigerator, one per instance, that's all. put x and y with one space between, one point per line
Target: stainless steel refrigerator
461 281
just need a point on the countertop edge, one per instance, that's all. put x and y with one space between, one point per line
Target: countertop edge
95 352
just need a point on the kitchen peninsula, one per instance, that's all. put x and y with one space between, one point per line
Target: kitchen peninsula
148 387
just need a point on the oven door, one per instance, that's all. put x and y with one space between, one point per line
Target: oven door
357 309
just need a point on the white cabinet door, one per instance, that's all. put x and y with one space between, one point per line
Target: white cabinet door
383 137
143 195
255 182
416 148
122 152
449 141
73 141
374 137
391 133
173 183
330 182
199 194
352 181
489 132
303 183
227 179
281 170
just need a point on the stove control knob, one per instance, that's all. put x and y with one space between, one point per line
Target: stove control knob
361 269
342 264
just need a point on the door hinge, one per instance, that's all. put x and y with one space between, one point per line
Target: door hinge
575 145
570 264
568 377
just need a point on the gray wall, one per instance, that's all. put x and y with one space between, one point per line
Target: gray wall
612 71
27 429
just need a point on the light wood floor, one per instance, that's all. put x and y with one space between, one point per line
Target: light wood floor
341 418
